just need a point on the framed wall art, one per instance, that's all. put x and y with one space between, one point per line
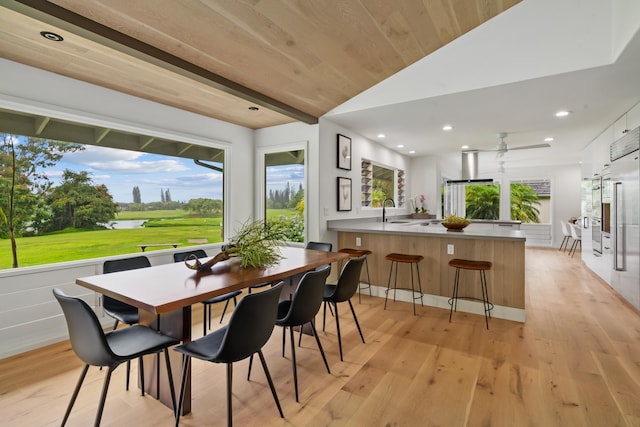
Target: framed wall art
344 194
344 152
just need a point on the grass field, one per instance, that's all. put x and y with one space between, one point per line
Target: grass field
62 247
175 226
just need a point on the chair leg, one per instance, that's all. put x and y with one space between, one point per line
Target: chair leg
183 385
250 365
284 338
293 361
324 315
229 387
115 325
366 264
454 298
204 319
315 334
356 320
224 310
386 293
128 372
170 377
141 363
338 329
75 394
103 396
271 386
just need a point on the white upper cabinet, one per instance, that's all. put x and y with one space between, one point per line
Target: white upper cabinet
633 117
600 149
627 122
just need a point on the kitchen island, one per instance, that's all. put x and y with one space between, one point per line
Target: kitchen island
503 247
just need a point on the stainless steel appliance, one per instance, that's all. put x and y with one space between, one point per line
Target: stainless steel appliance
625 227
596 215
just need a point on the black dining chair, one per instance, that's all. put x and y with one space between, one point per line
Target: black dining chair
346 287
121 311
302 310
199 253
247 331
97 348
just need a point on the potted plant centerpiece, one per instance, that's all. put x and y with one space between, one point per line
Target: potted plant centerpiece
257 244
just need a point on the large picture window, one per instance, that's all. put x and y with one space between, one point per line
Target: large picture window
89 197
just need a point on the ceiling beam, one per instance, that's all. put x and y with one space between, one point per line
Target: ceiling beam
53 14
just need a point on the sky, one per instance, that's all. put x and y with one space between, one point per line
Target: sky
121 170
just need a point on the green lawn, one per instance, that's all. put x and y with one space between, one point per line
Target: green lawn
178 213
175 226
62 247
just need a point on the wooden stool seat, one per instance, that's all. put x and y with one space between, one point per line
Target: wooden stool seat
357 253
394 257
467 264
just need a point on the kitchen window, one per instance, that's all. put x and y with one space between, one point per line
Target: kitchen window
380 182
531 200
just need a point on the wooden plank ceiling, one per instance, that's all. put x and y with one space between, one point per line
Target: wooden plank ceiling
294 60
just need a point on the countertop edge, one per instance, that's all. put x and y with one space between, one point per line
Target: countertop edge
416 229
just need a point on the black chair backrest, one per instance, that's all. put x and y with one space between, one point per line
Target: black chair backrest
319 246
124 264
116 265
308 298
349 279
251 325
86 335
181 256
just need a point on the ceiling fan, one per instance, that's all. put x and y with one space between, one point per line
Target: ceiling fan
502 148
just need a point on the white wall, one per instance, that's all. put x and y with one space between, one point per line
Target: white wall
361 147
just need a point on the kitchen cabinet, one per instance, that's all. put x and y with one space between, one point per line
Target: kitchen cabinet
629 121
633 117
600 150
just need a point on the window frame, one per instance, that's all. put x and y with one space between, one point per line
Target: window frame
261 177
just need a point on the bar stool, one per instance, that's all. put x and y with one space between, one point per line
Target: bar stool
357 253
396 258
481 266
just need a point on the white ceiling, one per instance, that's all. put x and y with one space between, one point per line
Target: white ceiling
511 75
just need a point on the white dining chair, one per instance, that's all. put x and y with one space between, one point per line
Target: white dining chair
576 235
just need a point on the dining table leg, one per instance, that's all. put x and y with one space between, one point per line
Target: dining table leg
176 324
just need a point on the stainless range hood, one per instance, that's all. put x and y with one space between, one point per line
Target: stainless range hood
470 169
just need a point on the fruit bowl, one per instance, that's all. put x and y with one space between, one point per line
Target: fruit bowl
455 226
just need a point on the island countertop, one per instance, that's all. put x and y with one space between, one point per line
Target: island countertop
498 244
408 226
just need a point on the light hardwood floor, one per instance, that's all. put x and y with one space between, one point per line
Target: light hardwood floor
575 362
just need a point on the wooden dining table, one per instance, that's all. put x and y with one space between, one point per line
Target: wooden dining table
164 295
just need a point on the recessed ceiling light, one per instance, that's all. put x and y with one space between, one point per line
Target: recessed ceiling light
51 36
562 113
548 139
447 127
464 147
253 108
400 146
381 135
412 152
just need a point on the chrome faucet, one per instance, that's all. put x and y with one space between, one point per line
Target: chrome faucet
384 211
